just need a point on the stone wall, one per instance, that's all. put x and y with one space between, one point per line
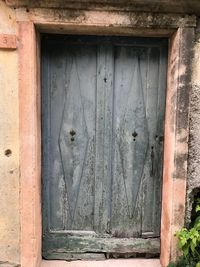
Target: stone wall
193 181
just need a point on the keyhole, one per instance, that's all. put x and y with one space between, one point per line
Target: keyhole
72 133
134 134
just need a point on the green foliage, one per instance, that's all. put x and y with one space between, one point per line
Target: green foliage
189 242
184 262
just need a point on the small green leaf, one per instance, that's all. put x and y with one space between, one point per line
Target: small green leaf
193 246
189 242
183 241
197 208
185 250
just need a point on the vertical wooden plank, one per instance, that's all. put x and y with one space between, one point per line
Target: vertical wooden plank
159 144
53 92
85 56
155 109
73 139
130 142
69 84
104 115
152 161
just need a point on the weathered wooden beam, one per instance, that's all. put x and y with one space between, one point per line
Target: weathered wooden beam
61 243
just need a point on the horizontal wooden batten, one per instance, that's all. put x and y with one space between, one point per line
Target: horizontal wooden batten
8 41
62 244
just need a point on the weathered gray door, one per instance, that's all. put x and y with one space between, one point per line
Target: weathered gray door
103 103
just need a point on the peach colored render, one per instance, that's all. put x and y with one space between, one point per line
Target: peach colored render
22 34
9 140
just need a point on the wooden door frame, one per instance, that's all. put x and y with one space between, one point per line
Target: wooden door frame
181 34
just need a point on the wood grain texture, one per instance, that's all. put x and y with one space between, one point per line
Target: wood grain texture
103 114
71 131
130 143
103 138
65 244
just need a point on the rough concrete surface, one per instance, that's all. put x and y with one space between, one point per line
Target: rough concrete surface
181 6
193 181
9 147
8 264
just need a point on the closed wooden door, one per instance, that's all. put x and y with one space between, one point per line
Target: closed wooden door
103 103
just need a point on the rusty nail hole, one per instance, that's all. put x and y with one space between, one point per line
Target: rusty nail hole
8 152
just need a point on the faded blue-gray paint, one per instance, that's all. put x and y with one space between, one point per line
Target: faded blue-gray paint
103 102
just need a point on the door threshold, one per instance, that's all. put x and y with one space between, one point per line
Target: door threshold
105 263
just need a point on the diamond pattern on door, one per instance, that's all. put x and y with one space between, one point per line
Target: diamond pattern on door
73 139
103 103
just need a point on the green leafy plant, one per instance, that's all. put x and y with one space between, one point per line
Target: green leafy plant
189 241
